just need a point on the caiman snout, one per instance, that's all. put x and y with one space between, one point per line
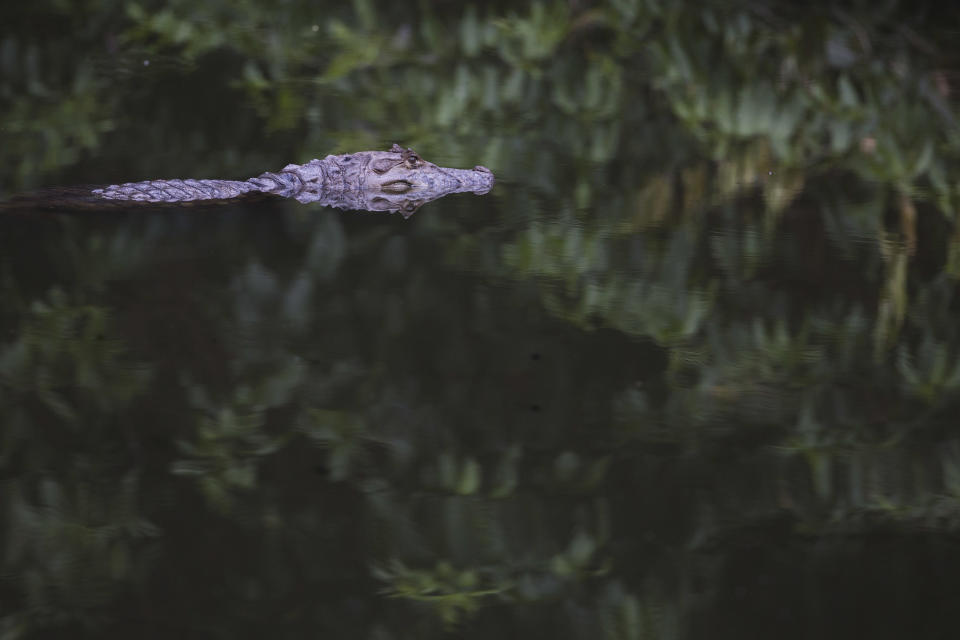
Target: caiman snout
479 179
486 179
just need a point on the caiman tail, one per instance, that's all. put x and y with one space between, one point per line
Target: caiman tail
176 190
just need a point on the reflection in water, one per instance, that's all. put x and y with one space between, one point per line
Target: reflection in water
698 381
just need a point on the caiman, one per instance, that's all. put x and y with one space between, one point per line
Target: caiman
394 180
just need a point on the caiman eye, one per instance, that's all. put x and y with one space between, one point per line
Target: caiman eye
413 161
396 186
380 203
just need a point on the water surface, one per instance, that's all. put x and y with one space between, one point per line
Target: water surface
689 370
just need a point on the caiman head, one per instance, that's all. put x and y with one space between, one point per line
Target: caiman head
400 180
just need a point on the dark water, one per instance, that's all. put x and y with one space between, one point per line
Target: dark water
688 371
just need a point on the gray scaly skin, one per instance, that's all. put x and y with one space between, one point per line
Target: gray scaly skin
394 180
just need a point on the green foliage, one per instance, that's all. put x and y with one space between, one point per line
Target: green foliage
342 434
231 441
72 551
657 302
224 455
626 617
934 372
451 594
64 355
713 286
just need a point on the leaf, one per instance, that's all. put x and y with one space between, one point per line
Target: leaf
470 477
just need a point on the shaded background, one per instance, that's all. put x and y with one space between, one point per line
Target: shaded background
689 370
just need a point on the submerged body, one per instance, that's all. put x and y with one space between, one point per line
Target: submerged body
394 180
